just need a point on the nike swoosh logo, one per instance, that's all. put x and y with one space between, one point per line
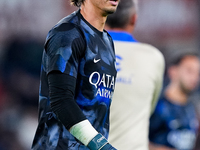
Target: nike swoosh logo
96 60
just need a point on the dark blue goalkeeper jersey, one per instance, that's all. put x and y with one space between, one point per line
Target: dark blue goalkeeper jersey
173 125
95 74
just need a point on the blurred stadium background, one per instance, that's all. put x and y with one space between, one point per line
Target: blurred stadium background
173 26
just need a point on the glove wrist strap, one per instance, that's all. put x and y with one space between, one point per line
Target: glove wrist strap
97 142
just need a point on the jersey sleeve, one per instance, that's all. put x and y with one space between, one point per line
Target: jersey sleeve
159 80
64 47
61 93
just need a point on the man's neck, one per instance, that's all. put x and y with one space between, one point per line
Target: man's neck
175 95
94 17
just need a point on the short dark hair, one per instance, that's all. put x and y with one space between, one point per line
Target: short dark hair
176 60
120 18
77 3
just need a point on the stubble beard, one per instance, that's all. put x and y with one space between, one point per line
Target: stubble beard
111 11
108 11
185 90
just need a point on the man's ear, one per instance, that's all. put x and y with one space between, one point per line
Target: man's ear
133 19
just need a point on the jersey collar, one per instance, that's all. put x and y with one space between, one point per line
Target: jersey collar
121 36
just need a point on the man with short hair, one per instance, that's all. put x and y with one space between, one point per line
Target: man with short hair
174 124
139 81
77 81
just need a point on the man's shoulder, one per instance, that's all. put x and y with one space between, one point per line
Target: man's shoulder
153 53
67 23
149 49
137 45
65 28
144 49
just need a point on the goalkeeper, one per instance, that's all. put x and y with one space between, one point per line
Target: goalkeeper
77 81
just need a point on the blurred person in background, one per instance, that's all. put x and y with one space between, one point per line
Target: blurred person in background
139 80
174 123
77 81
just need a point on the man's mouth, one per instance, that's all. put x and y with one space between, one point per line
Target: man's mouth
114 2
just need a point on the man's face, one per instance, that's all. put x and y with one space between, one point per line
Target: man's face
106 6
187 73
